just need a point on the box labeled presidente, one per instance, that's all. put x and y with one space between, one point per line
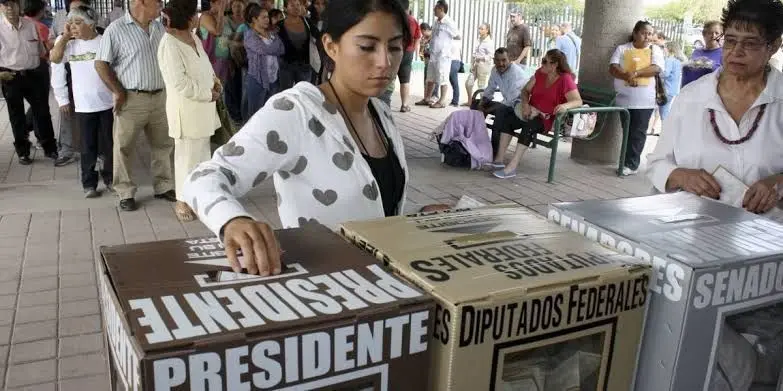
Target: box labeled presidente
715 319
522 304
177 318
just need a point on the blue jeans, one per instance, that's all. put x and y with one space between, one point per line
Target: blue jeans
454 81
257 95
665 109
290 74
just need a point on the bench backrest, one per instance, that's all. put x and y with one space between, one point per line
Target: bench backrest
596 97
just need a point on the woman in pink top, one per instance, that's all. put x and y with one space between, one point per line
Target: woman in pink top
550 92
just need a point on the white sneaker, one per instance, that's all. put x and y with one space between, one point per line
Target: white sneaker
627 171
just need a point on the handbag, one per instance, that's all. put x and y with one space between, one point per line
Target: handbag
580 125
461 67
660 90
226 130
454 154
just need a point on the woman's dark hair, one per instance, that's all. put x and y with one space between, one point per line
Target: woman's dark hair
764 15
68 4
274 13
178 14
341 15
639 26
556 56
252 11
710 24
34 8
442 4
425 26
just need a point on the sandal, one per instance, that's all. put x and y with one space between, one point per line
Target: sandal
184 212
405 109
422 102
437 105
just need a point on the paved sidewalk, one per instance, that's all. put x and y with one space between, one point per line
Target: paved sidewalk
50 328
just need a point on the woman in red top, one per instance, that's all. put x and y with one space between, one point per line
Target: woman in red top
550 92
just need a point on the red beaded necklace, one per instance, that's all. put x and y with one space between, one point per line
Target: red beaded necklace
747 137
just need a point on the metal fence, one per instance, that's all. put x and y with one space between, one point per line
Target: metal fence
469 14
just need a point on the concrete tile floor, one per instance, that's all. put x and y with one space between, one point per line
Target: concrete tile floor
50 327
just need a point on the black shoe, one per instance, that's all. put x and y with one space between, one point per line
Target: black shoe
170 196
25 160
51 155
128 205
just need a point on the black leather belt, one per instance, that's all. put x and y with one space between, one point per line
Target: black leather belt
152 92
20 73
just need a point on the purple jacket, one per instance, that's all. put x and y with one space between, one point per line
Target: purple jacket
468 127
259 53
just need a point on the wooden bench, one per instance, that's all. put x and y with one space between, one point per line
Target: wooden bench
601 102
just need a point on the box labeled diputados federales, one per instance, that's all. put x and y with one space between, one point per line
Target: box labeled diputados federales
715 320
522 304
177 318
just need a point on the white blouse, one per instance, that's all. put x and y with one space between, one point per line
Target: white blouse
689 141
302 141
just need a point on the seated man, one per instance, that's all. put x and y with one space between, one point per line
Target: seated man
509 78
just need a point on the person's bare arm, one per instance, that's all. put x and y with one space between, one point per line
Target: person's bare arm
650 71
213 23
617 72
109 77
523 56
56 55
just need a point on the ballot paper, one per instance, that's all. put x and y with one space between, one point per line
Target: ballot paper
733 192
467 202
732 188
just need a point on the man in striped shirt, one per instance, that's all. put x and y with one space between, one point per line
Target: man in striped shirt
127 62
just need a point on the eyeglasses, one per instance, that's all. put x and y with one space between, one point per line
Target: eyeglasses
751 45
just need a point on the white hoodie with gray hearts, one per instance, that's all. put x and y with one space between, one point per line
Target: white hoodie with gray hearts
302 141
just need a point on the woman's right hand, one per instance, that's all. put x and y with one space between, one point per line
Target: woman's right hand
527 111
698 182
258 243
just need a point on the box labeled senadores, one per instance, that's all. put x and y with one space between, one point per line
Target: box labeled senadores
715 320
521 303
178 318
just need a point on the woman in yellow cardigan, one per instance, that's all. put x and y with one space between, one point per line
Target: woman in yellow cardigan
191 92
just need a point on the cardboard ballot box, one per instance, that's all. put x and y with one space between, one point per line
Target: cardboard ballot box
177 318
521 303
715 320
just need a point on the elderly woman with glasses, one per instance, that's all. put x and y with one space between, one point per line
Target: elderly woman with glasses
726 127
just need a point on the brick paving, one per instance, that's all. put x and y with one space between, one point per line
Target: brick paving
50 327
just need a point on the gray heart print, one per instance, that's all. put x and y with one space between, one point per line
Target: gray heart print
327 197
305 221
300 166
260 178
371 191
283 104
201 173
232 149
232 178
343 161
274 143
316 127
